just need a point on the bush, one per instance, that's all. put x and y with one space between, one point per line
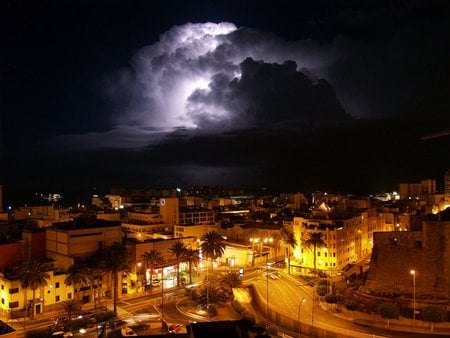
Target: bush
351 305
331 299
212 310
322 290
434 314
388 310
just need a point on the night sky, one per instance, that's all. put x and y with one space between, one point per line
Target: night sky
288 95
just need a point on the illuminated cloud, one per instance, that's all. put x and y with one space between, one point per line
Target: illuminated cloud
207 78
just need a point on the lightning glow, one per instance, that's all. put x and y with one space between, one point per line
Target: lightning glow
182 82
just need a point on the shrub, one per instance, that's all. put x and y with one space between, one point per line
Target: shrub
331 299
434 314
351 305
212 310
322 290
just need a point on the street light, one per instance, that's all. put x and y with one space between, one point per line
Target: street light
267 287
298 314
413 273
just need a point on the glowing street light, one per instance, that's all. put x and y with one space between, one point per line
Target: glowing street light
298 314
413 273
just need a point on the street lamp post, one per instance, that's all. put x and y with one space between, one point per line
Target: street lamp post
298 314
413 273
267 287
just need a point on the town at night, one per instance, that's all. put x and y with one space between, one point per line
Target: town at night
246 169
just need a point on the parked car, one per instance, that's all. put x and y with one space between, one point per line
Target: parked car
127 331
62 334
175 328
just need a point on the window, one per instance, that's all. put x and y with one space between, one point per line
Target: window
57 285
3 287
3 300
13 305
14 290
57 298
318 253
69 295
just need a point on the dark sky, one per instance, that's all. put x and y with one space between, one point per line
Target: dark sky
292 95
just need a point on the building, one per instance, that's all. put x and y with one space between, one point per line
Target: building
417 190
348 237
139 277
195 216
169 209
68 242
447 183
143 225
427 252
196 231
13 298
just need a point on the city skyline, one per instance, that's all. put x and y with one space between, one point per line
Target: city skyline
133 94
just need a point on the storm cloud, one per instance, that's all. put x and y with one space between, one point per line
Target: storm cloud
209 77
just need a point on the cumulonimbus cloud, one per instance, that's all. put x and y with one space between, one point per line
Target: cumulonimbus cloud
208 77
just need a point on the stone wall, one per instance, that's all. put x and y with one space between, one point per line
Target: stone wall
395 254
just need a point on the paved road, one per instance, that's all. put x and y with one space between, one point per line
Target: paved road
286 293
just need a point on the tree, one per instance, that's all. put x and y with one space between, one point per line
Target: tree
288 241
76 276
314 240
192 257
211 292
388 311
32 275
94 274
434 314
213 245
71 307
152 258
229 281
178 249
114 260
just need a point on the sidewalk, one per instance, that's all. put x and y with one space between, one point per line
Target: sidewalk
375 320
401 324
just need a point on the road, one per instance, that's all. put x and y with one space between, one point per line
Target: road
286 293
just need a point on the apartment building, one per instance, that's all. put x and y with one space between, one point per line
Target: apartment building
67 242
143 225
13 296
348 238
195 216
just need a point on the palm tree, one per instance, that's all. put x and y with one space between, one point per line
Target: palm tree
230 280
115 259
314 240
213 245
94 277
178 249
32 275
153 258
71 307
192 257
288 241
77 276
